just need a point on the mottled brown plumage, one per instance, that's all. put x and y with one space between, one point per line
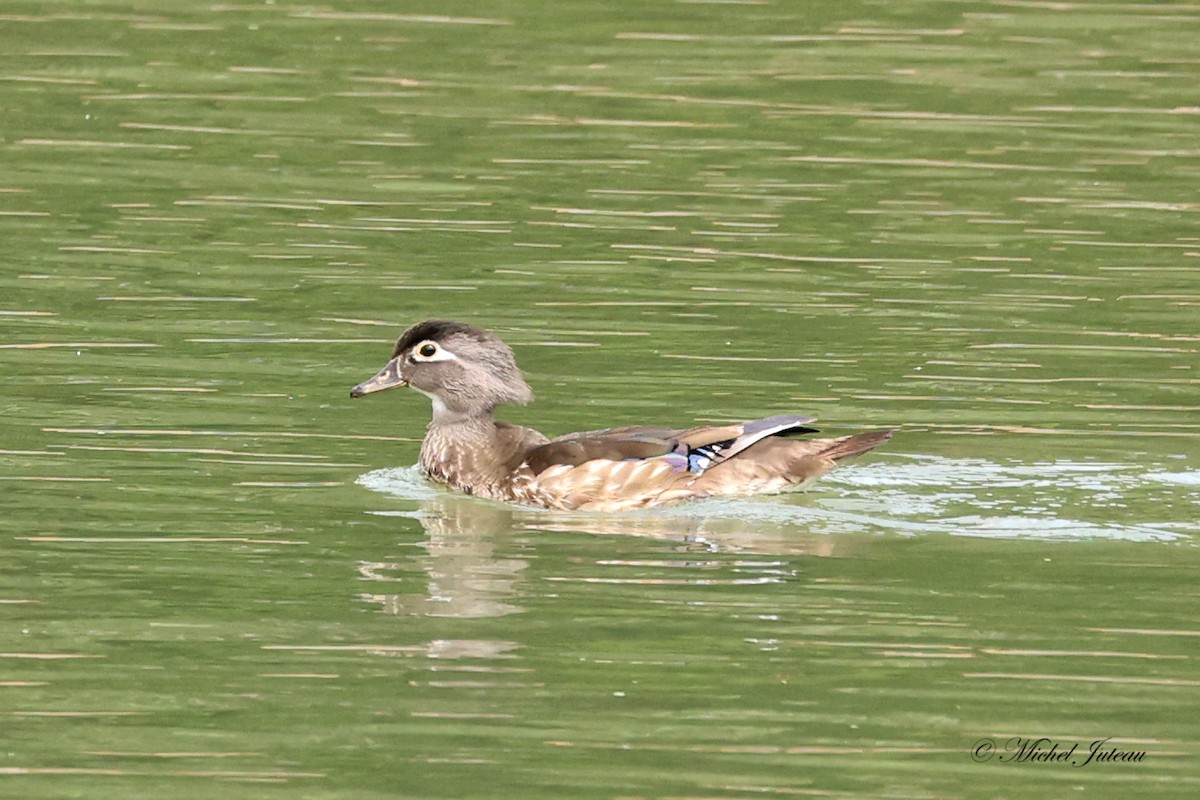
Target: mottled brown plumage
467 372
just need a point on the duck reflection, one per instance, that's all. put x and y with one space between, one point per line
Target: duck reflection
472 574
466 578
697 532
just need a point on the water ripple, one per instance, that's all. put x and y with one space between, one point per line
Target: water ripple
1052 501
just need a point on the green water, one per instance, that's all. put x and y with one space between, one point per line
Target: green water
973 222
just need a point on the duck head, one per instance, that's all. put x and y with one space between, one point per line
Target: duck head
466 371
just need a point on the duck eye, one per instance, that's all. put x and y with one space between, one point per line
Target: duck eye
427 350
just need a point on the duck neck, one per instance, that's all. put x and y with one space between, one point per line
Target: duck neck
461 450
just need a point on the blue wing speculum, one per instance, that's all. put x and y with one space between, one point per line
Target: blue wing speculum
698 459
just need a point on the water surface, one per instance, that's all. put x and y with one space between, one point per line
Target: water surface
972 222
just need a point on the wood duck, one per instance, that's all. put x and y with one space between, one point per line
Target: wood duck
468 372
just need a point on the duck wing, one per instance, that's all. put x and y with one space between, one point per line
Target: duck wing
616 444
692 450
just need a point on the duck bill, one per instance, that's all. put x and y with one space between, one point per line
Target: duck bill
386 378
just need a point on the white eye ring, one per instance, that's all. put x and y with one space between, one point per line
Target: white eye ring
430 351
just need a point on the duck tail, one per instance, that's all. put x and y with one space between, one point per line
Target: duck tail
856 445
